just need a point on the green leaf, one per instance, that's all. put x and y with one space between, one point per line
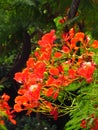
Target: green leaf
3 127
59 26
61 97
72 87
1 87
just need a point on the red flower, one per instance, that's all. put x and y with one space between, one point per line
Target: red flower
73 42
58 54
53 82
86 71
47 39
2 122
30 63
50 92
63 20
54 71
65 36
44 75
72 73
40 69
55 95
48 105
83 123
22 77
95 44
5 97
17 108
60 68
5 108
54 113
21 99
95 124
21 91
18 77
35 93
28 98
45 54
80 36
65 49
50 81
71 33
37 55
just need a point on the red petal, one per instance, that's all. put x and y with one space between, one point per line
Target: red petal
50 92
95 44
65 49
58 54
18 77
54 71
30 63
80 36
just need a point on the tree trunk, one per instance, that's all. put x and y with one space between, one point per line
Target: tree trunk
73 9
26 49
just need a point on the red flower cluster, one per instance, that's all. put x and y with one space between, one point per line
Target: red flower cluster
86 70
83 123
46 44
32 77
5 109
91 123
53 66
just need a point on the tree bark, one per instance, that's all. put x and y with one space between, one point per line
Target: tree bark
72 12
73 9
26 49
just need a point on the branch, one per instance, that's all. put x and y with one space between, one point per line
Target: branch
72 13
73 9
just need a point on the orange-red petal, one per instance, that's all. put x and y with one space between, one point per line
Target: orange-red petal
54 71
95 44
58 54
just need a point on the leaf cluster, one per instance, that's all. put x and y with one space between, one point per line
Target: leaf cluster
85 102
